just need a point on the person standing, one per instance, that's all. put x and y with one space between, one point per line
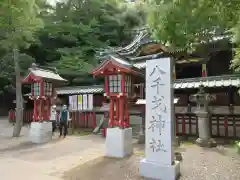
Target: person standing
53 118
64 117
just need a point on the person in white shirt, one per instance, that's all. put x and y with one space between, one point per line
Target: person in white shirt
53 118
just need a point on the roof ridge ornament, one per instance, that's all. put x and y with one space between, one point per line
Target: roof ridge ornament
34 66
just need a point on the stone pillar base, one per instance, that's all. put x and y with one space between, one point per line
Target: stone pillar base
141 139
118 142
206 142
40 132
158 171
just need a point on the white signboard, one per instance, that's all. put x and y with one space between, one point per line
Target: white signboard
74 102
159 111
90 101
80 102
70 102
85 102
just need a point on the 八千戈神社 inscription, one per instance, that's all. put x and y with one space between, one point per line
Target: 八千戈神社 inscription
157 81
157 123
158 103
157 145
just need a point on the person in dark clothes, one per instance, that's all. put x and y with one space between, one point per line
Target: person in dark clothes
64 117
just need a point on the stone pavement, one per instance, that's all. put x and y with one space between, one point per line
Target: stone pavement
81 158
198 164
21 159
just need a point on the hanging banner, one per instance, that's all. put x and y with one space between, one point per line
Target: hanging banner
90 101
75 101
80 102
70 102
85 102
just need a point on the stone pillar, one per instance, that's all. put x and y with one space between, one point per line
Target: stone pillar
159 162
204 139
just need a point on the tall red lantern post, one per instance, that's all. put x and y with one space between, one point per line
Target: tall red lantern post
42 90
118 75
42 83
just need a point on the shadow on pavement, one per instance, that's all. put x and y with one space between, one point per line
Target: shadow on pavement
25 146
104 168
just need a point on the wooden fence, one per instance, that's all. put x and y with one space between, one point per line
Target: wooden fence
79 119
221 125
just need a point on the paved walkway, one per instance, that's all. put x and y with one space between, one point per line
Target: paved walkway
198 164
81 158
21 159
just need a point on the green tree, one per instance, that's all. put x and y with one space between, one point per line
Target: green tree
183 23
18 22
236 39
74 30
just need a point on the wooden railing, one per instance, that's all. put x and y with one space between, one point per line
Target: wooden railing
186 124
221 125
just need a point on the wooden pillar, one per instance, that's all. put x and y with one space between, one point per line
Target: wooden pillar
126 113
132 86
118 107
49 107
204 70
121 101
189 107
231 100
111 112
106 85
174 72
121 112
141 90
123 84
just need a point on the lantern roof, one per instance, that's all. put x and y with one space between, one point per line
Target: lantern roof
115 64
36 73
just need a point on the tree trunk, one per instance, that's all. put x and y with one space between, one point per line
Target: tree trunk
19 99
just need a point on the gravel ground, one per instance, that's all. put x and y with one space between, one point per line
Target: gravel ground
198 164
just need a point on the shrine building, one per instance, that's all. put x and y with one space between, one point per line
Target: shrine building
120 95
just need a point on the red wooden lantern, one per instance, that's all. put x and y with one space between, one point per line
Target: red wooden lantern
42 91
118 75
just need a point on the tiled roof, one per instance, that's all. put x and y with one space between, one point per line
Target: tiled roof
142 65
120 60
47 74
211 81
94 89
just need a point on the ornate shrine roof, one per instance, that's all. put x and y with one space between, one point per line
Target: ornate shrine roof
143 48
39 73
115 64
142 37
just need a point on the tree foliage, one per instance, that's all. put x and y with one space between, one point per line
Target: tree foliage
78 28
73 31
18 22
7 72
182 23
